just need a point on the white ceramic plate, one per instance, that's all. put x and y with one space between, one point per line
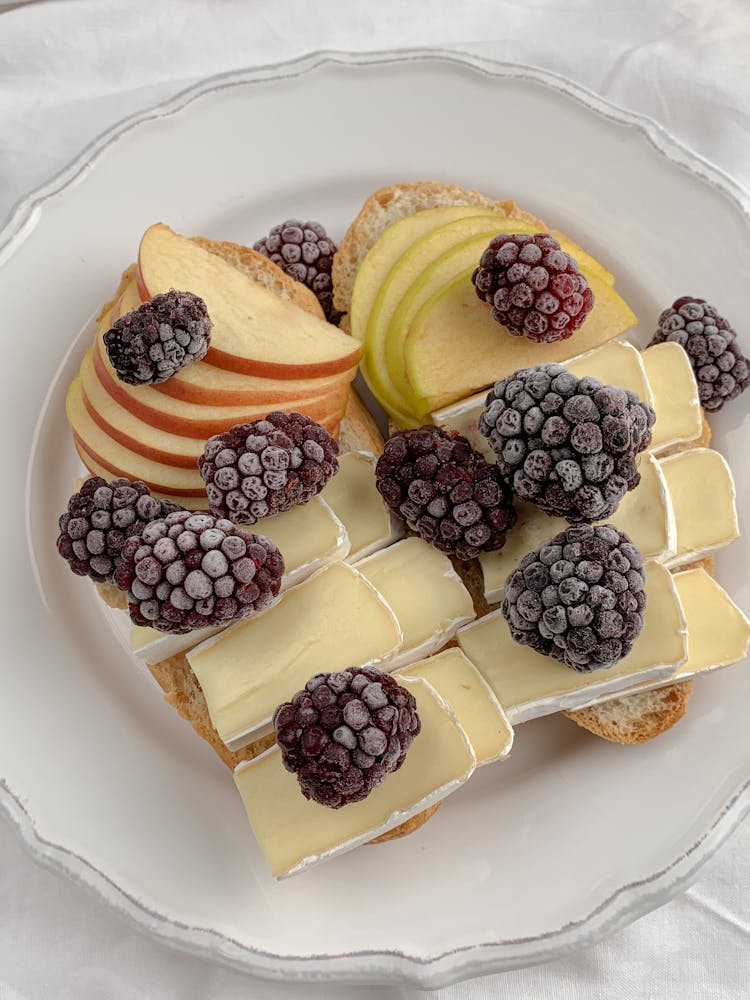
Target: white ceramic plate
572 837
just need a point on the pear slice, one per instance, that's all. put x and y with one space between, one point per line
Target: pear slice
455 347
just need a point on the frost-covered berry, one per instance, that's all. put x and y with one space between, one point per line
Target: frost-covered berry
533 286
305 251
153 342
445 491
721 369
259 469
345 732
191 569
579 597
567 444
100 518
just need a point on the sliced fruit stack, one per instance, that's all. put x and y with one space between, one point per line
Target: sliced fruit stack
428 339
265 354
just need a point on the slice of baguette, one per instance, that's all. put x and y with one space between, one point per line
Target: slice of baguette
392 203
637 717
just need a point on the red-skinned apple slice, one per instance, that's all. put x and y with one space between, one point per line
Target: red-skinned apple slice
197 421
131 432
255 332
104 449
99 468
203 383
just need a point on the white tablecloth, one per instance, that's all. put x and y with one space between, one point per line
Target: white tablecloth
71 68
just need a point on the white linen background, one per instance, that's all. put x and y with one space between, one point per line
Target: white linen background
71 68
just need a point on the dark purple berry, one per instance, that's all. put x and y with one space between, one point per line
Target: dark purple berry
260 469
99 520
579 598
305 252
721 369
154 341
576 457
445 491
345 732
190 569
534 288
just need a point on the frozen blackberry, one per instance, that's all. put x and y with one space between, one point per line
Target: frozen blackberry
100 518
345 732
721 369
579 598
445 491
568 445
259 469
533 286
305 251
188 570
151 343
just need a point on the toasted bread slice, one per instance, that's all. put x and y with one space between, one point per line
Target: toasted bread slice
636 717
392 203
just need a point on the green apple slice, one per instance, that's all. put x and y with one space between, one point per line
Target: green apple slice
385 252
403 275
454 347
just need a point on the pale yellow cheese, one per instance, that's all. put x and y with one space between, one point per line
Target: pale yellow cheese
355 500
644 514
675 393
295 833
702 491
334 620
616 363
308 536
479 713
425 592
529 684
718 631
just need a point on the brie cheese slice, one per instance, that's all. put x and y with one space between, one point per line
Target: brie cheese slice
529 684
295 833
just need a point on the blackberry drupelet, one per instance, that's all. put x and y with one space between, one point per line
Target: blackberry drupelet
345 732
579 598
721 369
533 286
100 518
151 343
305 251
445 491
189 570
568 445
260 469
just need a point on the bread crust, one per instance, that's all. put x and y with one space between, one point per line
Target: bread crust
637 717
388 205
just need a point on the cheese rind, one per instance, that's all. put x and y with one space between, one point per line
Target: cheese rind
295 833
425 592
529 684
309 537
645 514
675 394
702 491
355 500
479 713
334 620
